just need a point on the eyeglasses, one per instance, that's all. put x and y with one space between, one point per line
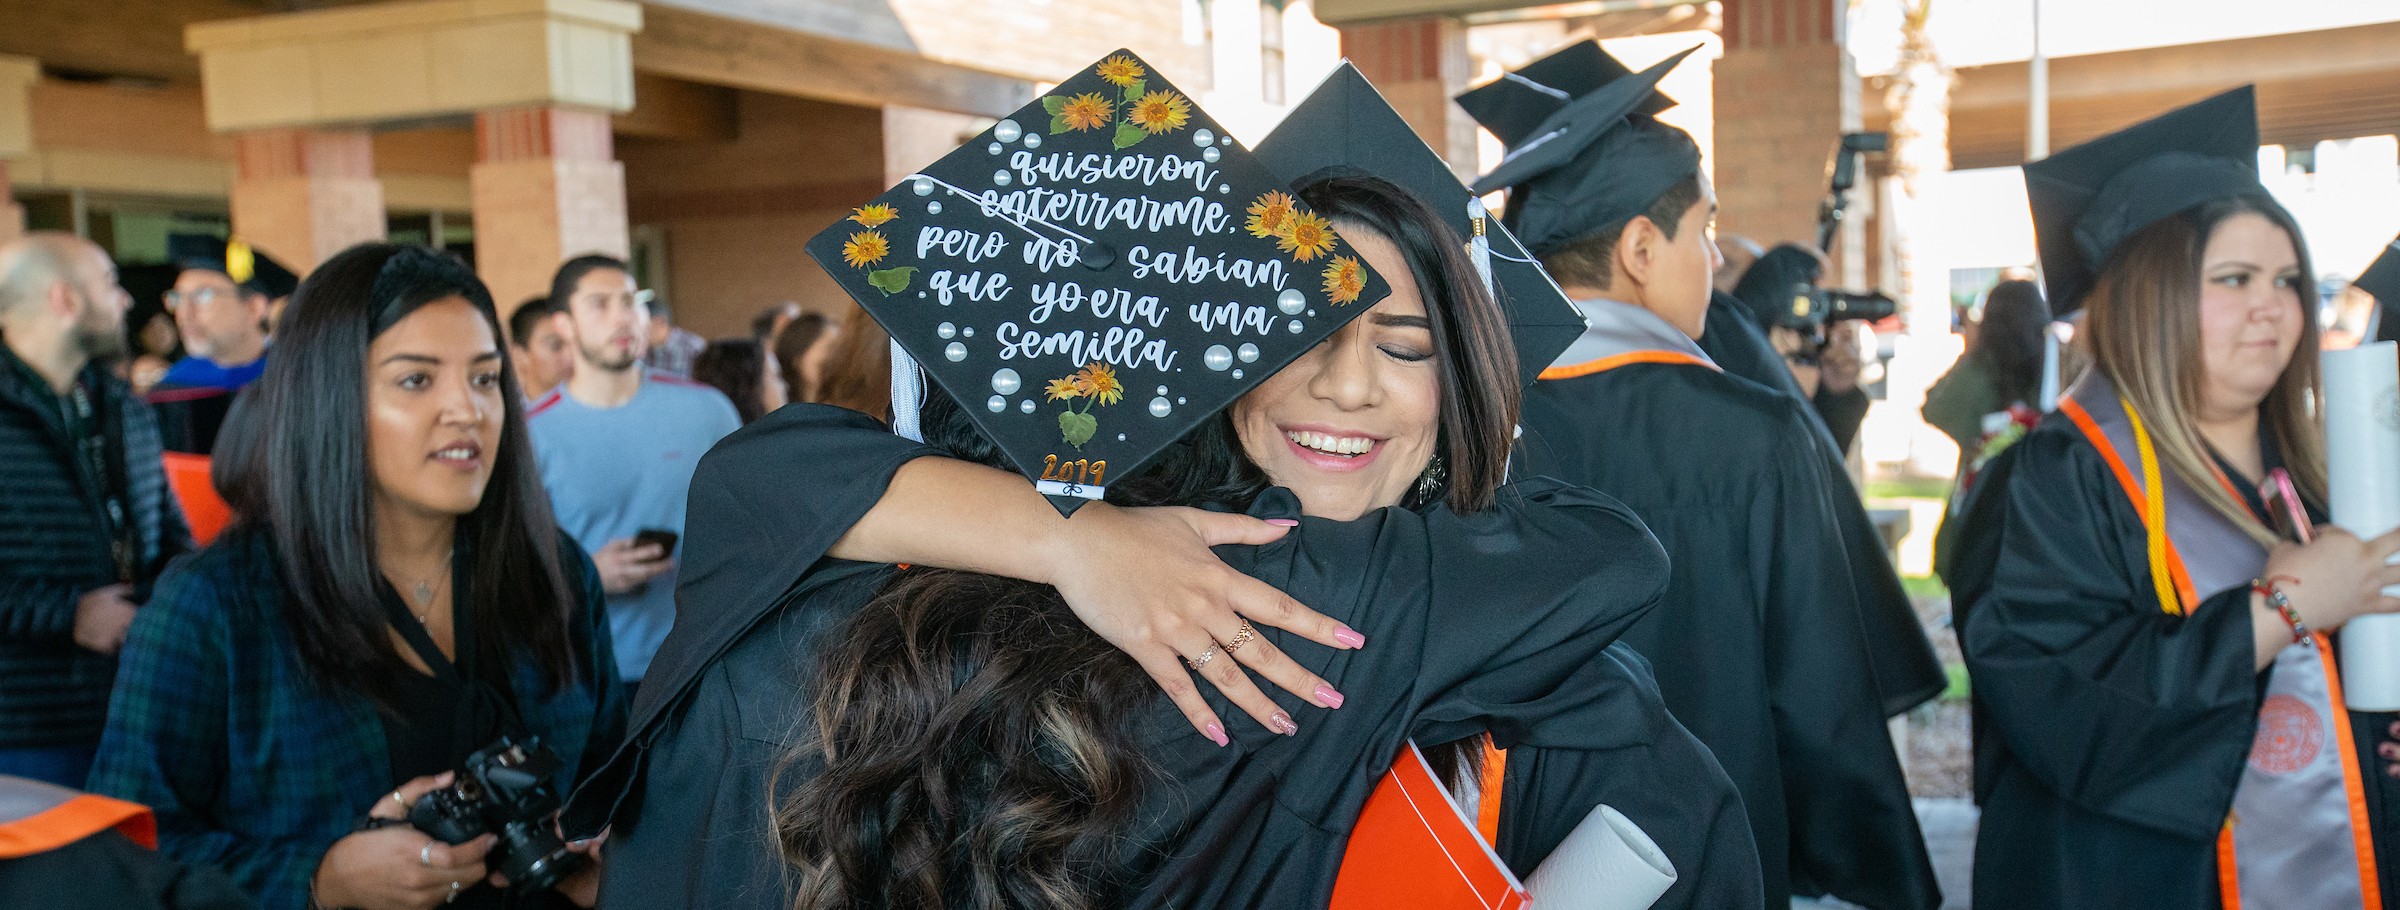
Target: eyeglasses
200 297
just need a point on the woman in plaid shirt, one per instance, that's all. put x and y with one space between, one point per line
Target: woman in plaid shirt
395 597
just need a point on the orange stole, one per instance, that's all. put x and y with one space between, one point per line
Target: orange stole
78 818
1414 850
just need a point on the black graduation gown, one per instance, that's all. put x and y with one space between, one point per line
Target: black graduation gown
1906 670
190 417
1758 643
2110 735
1495 623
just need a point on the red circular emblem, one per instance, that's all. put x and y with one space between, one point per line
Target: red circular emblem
2290 734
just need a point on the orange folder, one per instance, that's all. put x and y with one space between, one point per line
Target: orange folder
1414 850
203 509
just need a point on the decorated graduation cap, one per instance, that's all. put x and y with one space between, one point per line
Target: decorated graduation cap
1346 127
1095 275
250 269
2090 198
1594 163
1513 106
2382 277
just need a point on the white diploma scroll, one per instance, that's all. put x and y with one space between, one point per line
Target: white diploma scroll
1606 863
2362 462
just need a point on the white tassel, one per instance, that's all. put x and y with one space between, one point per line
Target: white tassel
1479 247
908 394
2049 368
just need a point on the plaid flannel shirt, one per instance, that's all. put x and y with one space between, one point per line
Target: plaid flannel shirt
256 770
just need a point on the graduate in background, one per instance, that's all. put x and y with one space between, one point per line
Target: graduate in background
2149 635
1758 644
2382 280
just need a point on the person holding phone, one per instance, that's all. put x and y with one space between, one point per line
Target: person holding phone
617 444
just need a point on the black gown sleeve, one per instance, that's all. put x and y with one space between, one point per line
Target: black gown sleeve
1637 759
2095 691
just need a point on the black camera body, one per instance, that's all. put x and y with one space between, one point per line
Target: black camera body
1813 308
505 790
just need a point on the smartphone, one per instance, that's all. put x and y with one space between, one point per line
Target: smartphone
664 538
2284 511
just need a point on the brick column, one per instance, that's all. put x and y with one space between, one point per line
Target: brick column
17 76
547 186
304 194
1786 90
12 215
1418 64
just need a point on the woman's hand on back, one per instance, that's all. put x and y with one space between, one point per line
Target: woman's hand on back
398 867
1145 580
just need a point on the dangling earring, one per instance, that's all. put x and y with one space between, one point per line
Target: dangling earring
1429 484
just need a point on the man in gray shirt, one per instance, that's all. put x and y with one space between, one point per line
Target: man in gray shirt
617 444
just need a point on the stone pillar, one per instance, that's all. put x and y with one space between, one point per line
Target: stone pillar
1786 90
547 187
17 76
303 195
1418 64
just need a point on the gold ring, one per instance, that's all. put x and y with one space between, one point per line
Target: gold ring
1203 659
1240 638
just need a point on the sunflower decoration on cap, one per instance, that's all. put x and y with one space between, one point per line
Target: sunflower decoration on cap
1096 274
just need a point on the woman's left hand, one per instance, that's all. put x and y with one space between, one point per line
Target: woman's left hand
583 887
2389 750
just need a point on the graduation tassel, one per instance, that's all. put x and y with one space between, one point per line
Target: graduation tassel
2049 368
908 394
1479 247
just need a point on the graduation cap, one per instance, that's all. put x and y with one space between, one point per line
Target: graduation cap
1513 106
2088 199
2382 277
1345 126
1594 164
1095 275
250 269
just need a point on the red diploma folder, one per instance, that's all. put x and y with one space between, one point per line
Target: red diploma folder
1414 850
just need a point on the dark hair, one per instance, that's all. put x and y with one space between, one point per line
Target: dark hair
307 481
2010 338
736 366
793 345
1591 261
975 735
562 283
527 317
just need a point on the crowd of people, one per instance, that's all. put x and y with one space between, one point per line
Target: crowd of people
569 606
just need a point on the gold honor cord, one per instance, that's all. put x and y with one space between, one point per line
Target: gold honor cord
2154 513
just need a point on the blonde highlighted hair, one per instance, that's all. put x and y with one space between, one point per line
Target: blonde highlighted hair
2143 333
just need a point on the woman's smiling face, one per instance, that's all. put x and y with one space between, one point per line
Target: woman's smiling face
1350 426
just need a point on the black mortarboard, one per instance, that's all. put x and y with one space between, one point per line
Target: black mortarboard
250 268
1095 275
1346 126
1515 104
2382 277
1594 164
2089 198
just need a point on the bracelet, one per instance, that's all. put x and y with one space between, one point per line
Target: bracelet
2270 589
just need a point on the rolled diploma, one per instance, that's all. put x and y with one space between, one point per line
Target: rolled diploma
2362 465
1606 863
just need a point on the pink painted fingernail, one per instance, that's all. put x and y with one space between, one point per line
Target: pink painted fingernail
1284 522
1216 734
1284 723
1349 637
1327 697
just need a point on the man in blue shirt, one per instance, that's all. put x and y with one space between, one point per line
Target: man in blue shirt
617 444
221 302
